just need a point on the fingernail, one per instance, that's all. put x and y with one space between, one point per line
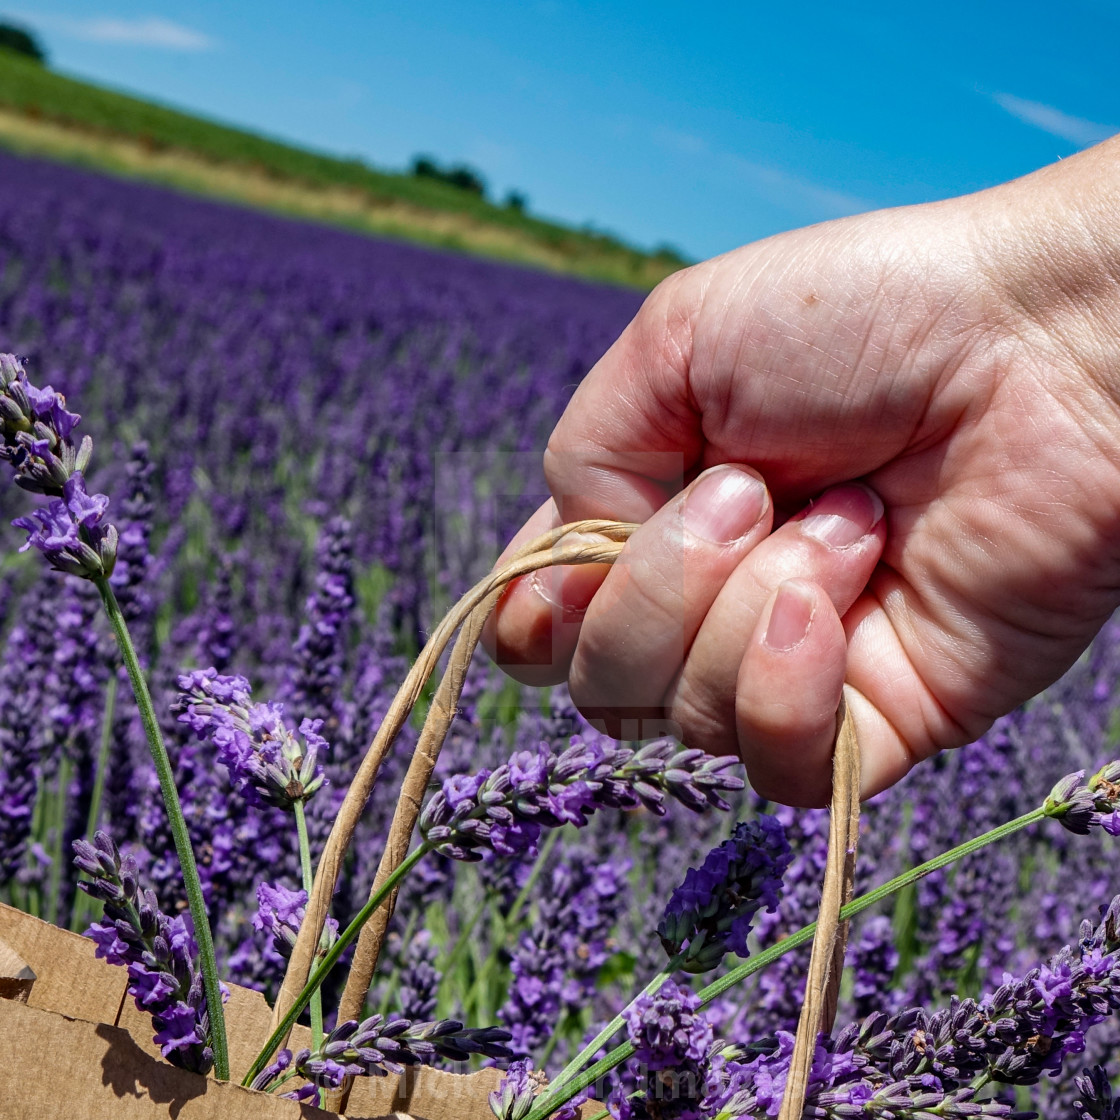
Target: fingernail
790 618
843 516
724 504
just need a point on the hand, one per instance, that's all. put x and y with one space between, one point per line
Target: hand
960 360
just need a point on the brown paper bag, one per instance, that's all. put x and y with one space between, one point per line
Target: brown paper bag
73 1046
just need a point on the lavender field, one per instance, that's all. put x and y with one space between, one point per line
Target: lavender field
313 443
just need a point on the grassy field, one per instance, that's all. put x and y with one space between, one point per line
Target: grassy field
47 114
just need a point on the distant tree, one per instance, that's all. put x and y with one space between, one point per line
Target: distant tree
424 167
461 176
466 179
669 253
22 42
517 202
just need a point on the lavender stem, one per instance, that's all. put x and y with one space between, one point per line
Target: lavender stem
191 883
307 875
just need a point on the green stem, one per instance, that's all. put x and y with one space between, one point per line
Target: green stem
55 833
451 961
558 1094
308 878
348 935
83 904
191 882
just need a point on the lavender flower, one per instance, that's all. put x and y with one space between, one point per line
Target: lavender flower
667 1028
69 533
506 808
673 1042
266 762
1081 806
280 913
843 1084
159 953
1096 1100
710 913
515 1096
320 646
35 428
377 1046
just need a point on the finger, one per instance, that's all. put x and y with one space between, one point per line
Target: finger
786 744
789 687
533 630
834 544
899 720
637 630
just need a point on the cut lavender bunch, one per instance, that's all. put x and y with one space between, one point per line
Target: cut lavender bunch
159 953
710 913
266 762
504 809
922 1063
377 1046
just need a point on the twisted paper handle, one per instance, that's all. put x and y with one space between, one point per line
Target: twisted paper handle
826 963
581 542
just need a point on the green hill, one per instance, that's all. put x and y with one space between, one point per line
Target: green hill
45 113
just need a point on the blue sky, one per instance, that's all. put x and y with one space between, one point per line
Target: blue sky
702 125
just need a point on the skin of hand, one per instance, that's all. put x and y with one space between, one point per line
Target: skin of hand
932 396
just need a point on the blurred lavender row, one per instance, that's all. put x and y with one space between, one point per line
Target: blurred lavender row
322 439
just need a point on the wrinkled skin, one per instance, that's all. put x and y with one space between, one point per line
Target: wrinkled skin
960 361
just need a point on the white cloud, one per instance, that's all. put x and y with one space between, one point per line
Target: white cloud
683 143
142 31
1076 130
782 187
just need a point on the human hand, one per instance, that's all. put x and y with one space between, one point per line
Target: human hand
960 360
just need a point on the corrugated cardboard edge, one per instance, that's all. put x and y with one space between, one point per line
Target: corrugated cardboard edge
77 1049
16 975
